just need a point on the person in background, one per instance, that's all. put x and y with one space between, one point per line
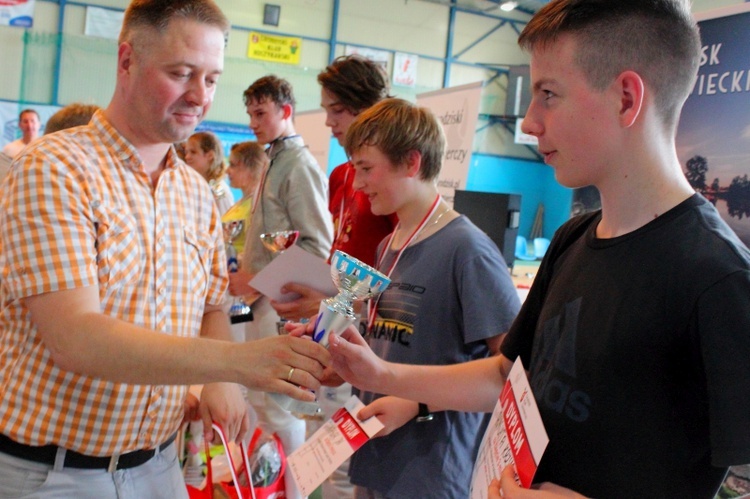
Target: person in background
248 163
29 124
204 154
114 279
292 197
349 85
636 330
72 115
433 312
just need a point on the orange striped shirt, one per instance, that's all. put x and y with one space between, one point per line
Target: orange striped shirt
79 209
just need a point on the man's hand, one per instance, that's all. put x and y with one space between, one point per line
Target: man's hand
303 307
393 412
281 364
191 408
507 488
224 404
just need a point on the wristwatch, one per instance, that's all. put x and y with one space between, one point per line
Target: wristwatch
424 414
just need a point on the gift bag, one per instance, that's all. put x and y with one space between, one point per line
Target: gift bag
266 467
265 462
211 490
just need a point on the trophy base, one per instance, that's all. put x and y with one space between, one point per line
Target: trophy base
240 318
296 406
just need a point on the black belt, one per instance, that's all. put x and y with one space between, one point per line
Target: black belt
47 453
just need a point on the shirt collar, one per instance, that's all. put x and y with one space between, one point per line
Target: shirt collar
122 147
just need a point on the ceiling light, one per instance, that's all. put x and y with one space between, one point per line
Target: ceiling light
508 6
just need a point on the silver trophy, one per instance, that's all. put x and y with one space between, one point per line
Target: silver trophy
239 311
355 281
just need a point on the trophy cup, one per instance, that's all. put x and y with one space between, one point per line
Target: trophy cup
239 311
355 281
276 242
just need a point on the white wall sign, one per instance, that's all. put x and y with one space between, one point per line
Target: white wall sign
457 108
405 69
104 23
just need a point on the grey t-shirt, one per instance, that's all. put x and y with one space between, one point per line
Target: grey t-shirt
449 293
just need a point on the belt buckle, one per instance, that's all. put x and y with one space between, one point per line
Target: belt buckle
113 461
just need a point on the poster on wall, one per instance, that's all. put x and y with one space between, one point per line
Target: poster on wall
405 69
103 23
274 48
457 108
713 138
18 13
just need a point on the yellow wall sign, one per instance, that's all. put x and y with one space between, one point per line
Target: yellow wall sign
284 49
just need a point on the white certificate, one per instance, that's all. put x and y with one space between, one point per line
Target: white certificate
330 446
515 435
294 265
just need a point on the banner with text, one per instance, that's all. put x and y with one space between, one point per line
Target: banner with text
273 48
713 137
457 108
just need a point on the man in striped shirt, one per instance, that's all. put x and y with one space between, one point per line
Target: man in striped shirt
114 280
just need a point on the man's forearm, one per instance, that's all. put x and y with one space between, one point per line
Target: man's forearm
83 340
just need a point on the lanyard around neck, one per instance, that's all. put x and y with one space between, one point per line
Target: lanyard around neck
259 190
346 197
372 305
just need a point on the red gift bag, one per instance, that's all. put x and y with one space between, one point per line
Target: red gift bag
234 490
275 490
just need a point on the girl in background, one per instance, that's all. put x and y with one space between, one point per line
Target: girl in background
203 153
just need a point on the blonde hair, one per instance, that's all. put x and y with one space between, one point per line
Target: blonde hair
209 142
251 155
398 127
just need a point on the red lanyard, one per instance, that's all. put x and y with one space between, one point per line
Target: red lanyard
372 305
344 200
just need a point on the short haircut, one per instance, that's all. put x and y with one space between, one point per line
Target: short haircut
658 39
209 142
271 87
357 82
251 155
398 127
72 115
25 111
157 14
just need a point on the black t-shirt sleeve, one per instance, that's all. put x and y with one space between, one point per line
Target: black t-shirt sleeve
724 335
